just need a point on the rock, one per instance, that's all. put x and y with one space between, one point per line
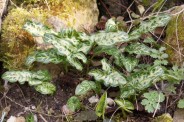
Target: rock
16 44
178 115
175 40
163 118
3 7
16 119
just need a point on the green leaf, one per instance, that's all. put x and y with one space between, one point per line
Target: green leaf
125 105
180 103
152 100
150 25
111 25
46 88
101 106
38 79
36 29
14 76
175 75
138 48
74 103
109 38
141 80
157 5
67 43
30 118
109 75
84 87
110 50
45 56
130 63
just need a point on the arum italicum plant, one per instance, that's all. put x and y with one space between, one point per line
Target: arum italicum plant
72 47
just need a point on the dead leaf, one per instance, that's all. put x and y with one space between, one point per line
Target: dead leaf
16 119
66 111
93 99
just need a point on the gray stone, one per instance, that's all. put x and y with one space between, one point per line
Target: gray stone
178 115
3 7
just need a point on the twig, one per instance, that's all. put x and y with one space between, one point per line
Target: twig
106 8
157 106
114 113
180 93
43 118
167 44
161 7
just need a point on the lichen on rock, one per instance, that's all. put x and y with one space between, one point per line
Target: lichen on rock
175 37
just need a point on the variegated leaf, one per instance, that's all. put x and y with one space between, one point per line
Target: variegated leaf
130 63
111 25
45 56
109 38
23 76
67 43
109 75
139 49
110 50
14 76
46 88
149 25
141 80
36 29
101 106
74 103
84 87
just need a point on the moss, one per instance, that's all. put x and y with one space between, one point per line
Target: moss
171 38
15 42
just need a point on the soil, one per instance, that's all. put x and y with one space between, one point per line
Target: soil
23 97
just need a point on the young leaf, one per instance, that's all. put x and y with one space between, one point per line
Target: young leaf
109 75
30 118
180 103
152 100
74 103
46 88
101 106
125 105
111 25
84 87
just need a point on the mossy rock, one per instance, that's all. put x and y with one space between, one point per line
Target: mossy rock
174 40
16 44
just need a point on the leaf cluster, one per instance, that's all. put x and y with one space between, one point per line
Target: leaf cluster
40 80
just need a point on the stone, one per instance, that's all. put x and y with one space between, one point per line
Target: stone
178 115
174 40
3 7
